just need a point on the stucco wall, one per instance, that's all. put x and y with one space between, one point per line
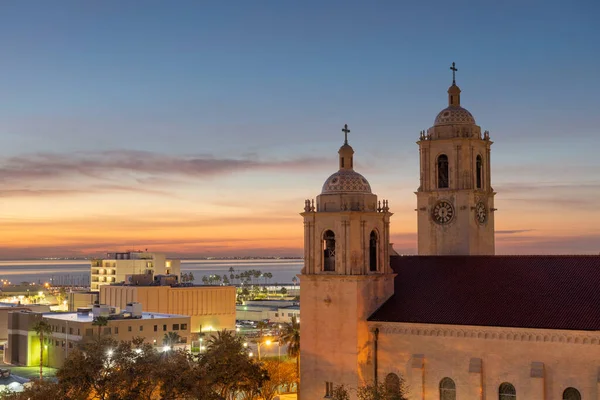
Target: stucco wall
540 364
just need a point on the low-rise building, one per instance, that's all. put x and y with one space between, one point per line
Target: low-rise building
211 308
119 267
73 328
272 310
6 308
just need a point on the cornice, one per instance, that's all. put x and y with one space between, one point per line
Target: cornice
489 333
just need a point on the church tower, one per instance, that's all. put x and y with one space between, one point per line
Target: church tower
455 199
346 277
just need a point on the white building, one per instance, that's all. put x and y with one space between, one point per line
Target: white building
118 267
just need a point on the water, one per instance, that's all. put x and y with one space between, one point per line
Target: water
63 272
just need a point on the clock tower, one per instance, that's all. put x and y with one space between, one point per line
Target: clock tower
455 199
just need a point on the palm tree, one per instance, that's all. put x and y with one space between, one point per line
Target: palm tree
100 322
291 336
42 328
171 338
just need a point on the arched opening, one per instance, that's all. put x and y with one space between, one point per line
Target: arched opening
507 391
479 172
447 389
329 251
392 384
373 247
571 394
442 170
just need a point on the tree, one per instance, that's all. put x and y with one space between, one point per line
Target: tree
225 280
229 368
392 389
283 291
191 277
340 392
42 328
100 322
205 280
290 336
171 338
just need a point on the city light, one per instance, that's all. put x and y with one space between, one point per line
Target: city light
250 354
166 348
138 351
268 342
109 353
245 344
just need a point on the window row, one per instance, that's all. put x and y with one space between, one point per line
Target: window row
443 175
506 391
329 251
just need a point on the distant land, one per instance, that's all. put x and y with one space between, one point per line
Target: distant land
179 258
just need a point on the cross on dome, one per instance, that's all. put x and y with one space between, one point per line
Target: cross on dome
454 69
346 132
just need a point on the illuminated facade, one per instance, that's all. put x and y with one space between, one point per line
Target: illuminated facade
118 267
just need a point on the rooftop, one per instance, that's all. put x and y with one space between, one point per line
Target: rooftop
75 317
541 292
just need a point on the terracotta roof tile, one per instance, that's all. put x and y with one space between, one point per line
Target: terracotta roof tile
551 292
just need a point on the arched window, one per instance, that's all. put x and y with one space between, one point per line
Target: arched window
392 383
479 172
442 170
329 251
571 394
373 251
507 391
447 389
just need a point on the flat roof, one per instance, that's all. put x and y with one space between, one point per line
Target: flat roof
75 317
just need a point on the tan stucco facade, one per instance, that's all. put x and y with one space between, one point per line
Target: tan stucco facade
210 308
539 363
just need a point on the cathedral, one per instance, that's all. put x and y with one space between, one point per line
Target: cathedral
455 321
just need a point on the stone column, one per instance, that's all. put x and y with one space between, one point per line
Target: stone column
475 389
537 386
417 377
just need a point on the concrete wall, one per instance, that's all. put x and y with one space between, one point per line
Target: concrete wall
539 363
208 306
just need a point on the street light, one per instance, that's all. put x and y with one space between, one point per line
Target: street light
258 344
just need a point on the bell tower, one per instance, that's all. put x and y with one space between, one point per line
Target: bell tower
455 199
346 277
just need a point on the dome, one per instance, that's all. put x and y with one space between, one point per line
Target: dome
454 115
346 181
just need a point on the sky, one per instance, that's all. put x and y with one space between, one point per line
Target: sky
198 128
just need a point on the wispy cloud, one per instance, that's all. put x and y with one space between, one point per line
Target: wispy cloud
513 232
44 166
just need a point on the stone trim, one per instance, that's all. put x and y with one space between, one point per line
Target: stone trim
490 333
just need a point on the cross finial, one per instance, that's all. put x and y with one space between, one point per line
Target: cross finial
346 131
454 69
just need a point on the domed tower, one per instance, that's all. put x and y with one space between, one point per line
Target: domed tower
455 200
346 277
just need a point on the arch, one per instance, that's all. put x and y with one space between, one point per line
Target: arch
329 251
479 172
571 393
442 171
373 250
447 389
507 391
392 383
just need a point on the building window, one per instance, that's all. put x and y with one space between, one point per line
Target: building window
329 251
70 345
507 392
175 327
392 384
373 251
116 330
141 328
328 389
447 389
164 328
70 331
276 314
107 331
129 329
571 394
78 331
442 170
184 327
155 328
479 171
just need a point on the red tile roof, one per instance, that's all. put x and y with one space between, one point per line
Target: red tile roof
551 292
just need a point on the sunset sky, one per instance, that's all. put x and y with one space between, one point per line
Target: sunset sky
198 128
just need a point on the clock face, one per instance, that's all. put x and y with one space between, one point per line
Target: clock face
481 213
443 212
